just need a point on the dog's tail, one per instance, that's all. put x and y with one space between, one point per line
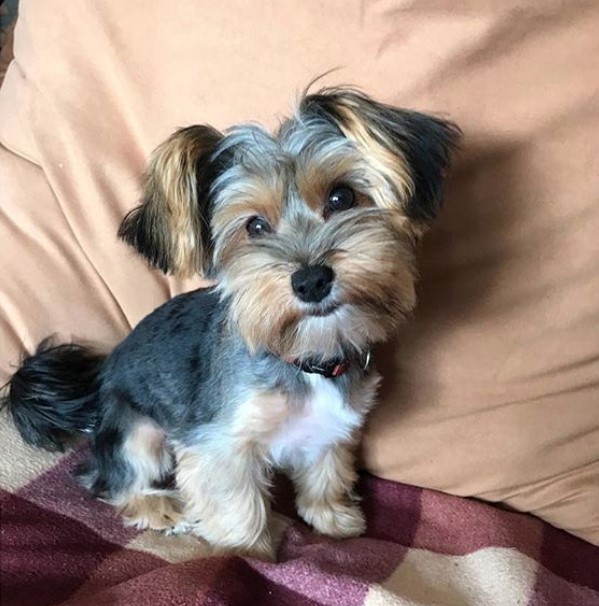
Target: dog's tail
54 394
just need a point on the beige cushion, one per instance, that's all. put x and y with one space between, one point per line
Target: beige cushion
492 391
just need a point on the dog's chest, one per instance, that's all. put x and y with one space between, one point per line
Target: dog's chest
322 419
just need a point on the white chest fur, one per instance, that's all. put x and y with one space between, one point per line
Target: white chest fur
323 419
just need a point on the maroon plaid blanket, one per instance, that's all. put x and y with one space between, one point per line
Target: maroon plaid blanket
422 548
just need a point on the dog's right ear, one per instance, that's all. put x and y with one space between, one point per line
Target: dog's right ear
171 227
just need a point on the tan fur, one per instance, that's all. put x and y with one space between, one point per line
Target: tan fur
142 506
376 266
172 196
324 490
315 182
259 417
261 308
147 452
230 509
389 163
315 177
229 222
225 496
324 487
154 511
226 504
146 440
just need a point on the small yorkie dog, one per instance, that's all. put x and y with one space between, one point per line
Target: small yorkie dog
310 234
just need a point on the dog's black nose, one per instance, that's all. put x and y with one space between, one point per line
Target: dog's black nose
312 283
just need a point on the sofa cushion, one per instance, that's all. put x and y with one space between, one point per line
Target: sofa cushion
492 390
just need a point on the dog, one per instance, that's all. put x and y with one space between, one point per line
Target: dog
310 234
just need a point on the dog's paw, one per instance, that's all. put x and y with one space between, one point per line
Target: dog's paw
182 526
154 512
338 520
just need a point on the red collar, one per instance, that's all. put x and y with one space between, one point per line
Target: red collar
331 369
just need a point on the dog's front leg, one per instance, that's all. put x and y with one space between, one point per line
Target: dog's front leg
325 493
225 497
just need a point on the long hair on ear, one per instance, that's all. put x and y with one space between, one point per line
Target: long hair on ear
411 150
171 227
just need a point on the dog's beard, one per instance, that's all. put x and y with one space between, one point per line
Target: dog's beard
348 328
326 330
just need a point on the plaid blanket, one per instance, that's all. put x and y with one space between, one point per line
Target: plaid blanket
421 548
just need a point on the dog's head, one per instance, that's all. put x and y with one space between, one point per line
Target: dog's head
310 231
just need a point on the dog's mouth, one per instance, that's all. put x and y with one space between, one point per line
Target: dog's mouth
322 310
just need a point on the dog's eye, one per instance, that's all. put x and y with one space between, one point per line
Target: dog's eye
340 198
258 226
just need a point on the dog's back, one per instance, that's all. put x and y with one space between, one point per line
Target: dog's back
163 367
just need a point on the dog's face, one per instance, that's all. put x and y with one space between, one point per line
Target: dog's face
310 231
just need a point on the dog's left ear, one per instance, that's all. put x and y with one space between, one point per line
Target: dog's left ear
410 150
171 227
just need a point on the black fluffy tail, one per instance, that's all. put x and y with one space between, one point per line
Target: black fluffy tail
53 396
